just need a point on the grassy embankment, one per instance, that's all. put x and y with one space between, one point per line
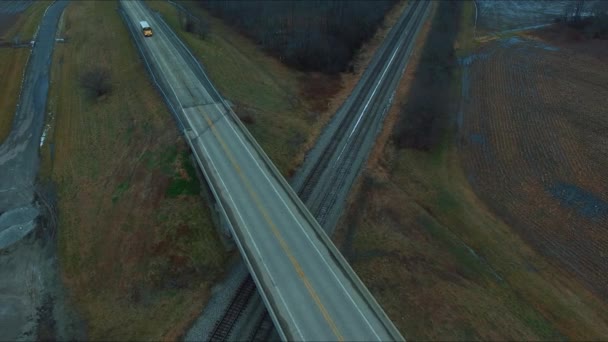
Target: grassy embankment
262 90
13 60
288 108
105 153
137 247
439 262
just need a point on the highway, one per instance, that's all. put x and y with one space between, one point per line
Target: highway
308 288
325 179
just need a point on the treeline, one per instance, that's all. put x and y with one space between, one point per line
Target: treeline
423 120
311 35
589 17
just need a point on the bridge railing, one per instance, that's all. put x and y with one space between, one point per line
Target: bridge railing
301 207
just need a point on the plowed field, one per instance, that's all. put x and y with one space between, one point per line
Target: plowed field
534 137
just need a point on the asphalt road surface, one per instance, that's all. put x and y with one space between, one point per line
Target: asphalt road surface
304 283
19 157
31 294
324 180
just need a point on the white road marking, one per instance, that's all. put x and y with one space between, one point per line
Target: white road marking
232 200
305 233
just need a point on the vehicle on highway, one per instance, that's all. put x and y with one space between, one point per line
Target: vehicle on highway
146 28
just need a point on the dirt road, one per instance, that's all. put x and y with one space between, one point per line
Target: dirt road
30 289
19 156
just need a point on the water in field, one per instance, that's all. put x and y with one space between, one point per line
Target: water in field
496 16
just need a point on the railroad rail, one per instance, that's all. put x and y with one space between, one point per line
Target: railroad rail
331 178
312 178
224 326
347 149
310 291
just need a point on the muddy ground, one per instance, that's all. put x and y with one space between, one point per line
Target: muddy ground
535 146
32 298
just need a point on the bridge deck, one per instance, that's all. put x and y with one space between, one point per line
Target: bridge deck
304 282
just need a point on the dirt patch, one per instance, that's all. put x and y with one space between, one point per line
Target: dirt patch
535 143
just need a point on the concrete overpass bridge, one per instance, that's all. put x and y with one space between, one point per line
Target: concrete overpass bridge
309 289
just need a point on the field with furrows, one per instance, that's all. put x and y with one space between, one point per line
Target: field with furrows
534 138
447 265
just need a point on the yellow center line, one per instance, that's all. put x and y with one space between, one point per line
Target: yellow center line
277 234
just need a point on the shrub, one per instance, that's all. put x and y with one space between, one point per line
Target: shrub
97 80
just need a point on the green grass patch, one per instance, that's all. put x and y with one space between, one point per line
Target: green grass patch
122 187
164 159
184 184
465 39
470 264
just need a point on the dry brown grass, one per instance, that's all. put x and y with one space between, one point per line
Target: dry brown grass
13 60
264 92
441 263
540 149
12 65
289 108
338 88
24 24
137 260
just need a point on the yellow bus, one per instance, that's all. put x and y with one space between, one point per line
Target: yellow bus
146 28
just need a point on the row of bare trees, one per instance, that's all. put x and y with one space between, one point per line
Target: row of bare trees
589 16
319 35
424 119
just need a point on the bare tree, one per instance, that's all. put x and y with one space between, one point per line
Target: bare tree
320 35
593 26
578 9
573 10
97 80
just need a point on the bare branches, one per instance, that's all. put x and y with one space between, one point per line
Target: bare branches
309 35
97 80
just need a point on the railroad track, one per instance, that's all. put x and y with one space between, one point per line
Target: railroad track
263 329
337 174
224 326
312 179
